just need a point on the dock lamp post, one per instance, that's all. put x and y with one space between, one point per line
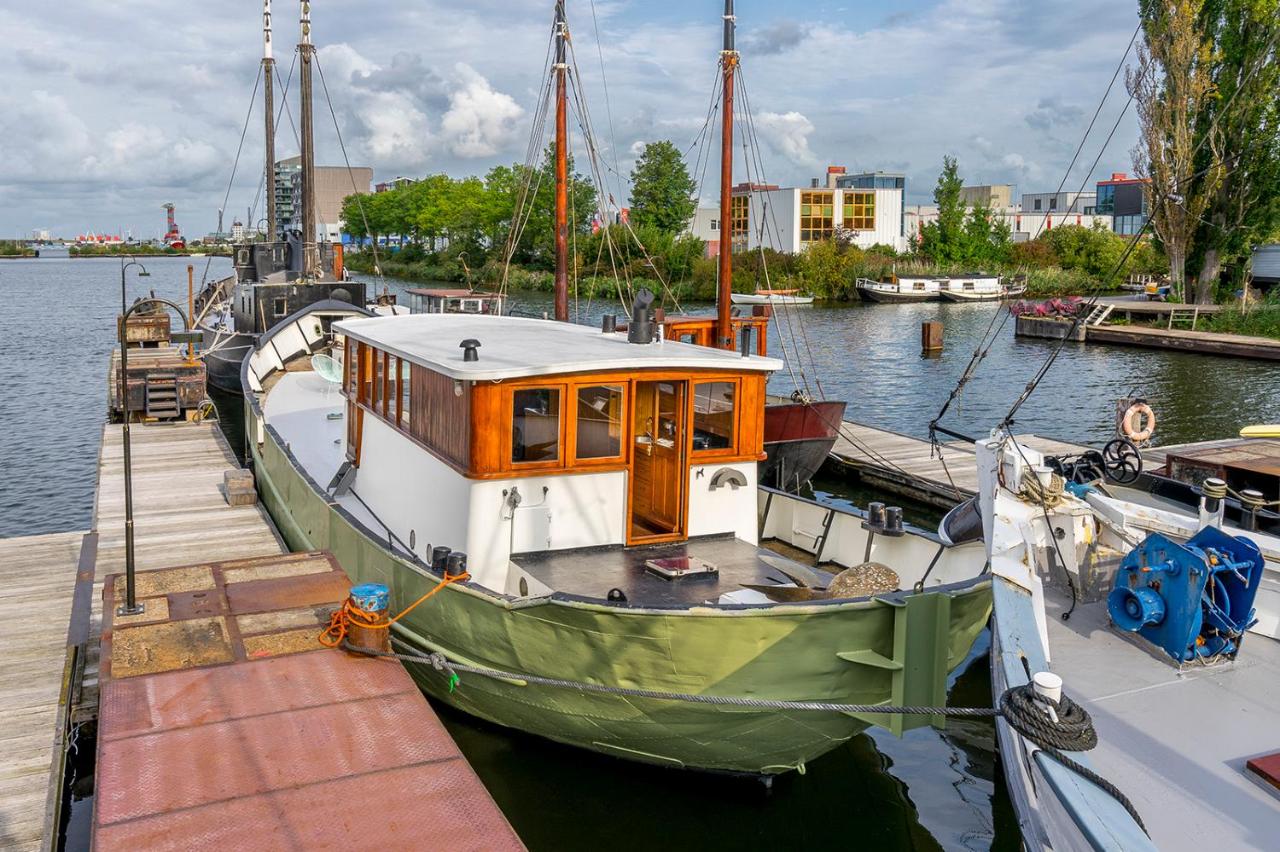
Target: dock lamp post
131 605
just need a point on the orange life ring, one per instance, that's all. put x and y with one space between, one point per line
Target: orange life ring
1130 425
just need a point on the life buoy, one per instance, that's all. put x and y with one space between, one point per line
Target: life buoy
1130 425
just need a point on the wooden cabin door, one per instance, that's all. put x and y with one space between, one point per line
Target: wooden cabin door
660 468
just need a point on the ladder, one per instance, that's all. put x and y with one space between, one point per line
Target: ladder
162 396
1184 315
1098 314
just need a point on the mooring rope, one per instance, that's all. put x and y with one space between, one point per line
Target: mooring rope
1069 728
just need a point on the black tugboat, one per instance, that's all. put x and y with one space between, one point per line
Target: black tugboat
273 279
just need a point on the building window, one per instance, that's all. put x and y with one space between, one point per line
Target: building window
739 220
535 425
1106 203
599 422
817 221
1039 203
715 224
860 211
1053 203
713 409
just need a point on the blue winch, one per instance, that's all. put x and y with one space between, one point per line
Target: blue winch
1194 601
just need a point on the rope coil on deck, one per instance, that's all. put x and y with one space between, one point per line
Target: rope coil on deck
1020 706
335 635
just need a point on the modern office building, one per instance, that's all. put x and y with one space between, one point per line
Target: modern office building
394 183
867 208
1125 200
333 185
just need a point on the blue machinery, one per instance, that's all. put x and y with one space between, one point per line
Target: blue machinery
1194 601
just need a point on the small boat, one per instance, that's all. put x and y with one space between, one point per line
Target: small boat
990 288
454 300
900 289
1162 627
798 437
771 297
1261 431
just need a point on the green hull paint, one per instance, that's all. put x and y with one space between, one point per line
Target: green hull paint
781 652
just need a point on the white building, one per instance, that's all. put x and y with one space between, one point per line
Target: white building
791 219
705 225
1060 202
1024 225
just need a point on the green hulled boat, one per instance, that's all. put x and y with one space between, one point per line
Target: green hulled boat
604 493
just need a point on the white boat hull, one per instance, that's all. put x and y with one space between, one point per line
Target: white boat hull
758 299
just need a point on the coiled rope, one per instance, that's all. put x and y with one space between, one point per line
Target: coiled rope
335 635
1022 707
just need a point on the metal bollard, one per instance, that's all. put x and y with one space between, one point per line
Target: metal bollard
372 600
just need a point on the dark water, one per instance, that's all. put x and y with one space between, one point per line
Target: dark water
57 329
928 790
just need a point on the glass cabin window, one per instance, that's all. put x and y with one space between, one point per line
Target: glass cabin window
599 422
379 371
713 404
404 391
535 425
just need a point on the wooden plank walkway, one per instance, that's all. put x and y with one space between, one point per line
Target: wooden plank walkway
1199 342
180 516
37 579
909 466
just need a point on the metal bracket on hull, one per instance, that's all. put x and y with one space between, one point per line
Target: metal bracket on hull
918 668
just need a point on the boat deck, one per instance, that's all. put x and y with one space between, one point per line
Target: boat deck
1176 742
593 572
225 724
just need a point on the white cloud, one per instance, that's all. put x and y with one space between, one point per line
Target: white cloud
481 122
788 135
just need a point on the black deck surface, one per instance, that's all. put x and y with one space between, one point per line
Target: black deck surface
593 572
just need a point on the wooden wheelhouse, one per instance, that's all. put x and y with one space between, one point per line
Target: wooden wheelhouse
660 427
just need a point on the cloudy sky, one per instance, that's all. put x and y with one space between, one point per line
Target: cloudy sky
108 110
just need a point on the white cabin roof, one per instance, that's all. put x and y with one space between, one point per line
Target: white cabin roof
515 347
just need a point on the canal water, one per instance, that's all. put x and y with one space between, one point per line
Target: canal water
929 790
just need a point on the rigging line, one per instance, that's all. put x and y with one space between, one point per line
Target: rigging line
253 99
787 310
604 82
377 267
1119 67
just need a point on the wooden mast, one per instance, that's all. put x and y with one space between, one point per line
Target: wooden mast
728 62
562 168
310 261
269 109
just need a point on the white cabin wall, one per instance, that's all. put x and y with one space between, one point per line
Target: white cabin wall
411 490
727 509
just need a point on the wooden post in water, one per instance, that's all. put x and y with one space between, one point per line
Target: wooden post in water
724 292
931 337
562 168
269 110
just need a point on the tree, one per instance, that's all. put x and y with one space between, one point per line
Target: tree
1245 119
1171 87
662 193
960 235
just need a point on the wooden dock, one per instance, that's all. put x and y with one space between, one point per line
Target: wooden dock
1199 342
37 580
901 464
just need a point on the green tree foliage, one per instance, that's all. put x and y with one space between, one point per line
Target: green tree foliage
960 235
662 189
1245 117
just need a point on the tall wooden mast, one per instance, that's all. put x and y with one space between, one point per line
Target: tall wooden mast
269 110
310 260
562 167
728 63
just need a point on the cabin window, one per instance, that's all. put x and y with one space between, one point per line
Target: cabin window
280 306
919 285
968 285
404 384
379 397
366 373
389 396
349 366
535 425
713 415
599 423
471 306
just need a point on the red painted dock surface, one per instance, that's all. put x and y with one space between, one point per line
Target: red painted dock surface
224 724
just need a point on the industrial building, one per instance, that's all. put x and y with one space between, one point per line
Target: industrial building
1125 200
997 196
333 185
1059 202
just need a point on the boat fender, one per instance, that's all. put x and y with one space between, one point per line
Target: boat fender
1130 422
